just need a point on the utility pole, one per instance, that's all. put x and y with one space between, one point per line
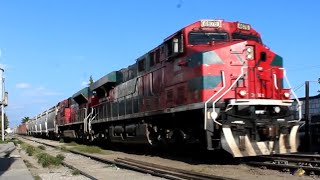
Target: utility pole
2 102
307 119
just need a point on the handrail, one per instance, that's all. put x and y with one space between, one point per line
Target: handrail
275 81
295 96
206 103
224 93
85 121
91 119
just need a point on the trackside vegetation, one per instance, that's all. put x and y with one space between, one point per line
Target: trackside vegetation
44 158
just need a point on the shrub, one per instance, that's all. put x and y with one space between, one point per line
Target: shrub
30 150
76 172
42 147
63 148
88 149
60 156
72 143
46 159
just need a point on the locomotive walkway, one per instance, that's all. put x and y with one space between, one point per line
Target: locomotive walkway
11 165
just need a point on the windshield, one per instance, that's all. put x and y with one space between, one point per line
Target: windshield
196 38
241 36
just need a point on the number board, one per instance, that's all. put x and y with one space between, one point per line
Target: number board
210 23
244 26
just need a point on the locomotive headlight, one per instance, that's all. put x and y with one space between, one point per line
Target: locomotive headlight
249 49
276 109
249 52
286 95
214 115
242 93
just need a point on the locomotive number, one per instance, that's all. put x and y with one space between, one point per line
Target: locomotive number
244 26
210 23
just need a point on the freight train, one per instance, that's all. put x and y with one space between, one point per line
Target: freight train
213 83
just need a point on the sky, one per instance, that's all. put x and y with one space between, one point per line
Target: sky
49 49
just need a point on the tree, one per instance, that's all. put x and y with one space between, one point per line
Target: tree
25 119
90 81
6 121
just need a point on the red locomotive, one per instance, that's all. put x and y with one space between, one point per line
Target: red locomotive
212 83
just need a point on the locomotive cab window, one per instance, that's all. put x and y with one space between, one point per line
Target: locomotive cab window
175 46
242 36
198 38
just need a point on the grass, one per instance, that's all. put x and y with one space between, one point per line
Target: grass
44 159
30 150
63 148
3 142
37 177
60 156
17 141
75 172
88 149
72 143
42 147
61 140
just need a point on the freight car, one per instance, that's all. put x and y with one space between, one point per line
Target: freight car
212 83
21 129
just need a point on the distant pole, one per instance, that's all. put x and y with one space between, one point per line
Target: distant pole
2 103
307 119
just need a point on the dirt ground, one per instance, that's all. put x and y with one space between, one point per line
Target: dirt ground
237 171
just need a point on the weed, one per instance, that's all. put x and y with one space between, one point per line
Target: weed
63 148
72 143
17 141
46 160
30 150
88 149
61 140
75 172
60 156
37 177
3 142
42 147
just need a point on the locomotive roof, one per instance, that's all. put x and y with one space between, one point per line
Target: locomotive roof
81 95
215 23
112 77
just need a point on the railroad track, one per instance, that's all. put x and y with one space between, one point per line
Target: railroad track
306 163
140 166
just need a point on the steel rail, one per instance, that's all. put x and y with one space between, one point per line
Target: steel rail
81 172
307 162
185 173
271 165
294 160
144 167
300 155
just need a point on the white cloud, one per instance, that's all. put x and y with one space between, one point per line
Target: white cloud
23 85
